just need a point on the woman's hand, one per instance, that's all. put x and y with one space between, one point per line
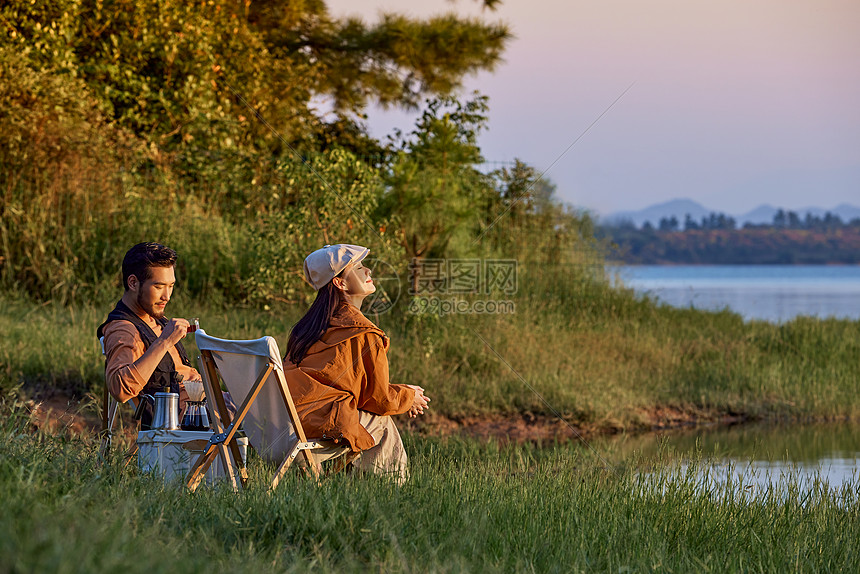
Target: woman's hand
419 403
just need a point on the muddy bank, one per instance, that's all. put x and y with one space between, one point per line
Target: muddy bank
60 413
537 428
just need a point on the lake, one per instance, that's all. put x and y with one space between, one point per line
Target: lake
754 457
773 293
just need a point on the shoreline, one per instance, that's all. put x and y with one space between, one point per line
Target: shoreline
540 428
60 413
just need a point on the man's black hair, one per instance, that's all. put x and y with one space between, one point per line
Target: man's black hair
140 259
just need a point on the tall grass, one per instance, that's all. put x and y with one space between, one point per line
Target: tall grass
242 224
602 358
466 507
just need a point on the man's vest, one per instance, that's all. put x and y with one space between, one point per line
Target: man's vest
165 376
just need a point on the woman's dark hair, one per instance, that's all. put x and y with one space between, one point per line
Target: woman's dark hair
310 328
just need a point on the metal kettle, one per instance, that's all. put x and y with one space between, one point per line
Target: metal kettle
166 407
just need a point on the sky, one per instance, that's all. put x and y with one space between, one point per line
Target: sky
731 103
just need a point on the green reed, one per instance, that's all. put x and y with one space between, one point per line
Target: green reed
468 506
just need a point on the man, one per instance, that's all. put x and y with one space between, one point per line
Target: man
143 349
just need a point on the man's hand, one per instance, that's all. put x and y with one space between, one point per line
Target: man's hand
175 330
172 333
419 403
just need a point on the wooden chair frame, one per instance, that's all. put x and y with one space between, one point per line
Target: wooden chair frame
226 428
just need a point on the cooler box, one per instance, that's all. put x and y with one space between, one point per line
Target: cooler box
160 451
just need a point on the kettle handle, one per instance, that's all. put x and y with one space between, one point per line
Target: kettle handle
138 412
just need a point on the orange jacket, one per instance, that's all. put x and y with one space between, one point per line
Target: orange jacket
342 373
123 346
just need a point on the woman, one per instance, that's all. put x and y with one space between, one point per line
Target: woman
336 366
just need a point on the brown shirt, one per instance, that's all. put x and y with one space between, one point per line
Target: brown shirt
342 373
123 346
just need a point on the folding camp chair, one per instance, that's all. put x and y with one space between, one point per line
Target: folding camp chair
110 410
253 369
110 407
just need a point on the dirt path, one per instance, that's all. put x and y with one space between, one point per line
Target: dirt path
61 414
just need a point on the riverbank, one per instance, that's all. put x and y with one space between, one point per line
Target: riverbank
59 413
574 356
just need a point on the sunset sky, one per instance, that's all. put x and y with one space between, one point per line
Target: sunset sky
734 103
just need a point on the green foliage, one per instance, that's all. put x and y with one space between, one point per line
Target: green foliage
154 67
400 60
331 199
64 181
433 185
176 73
524 220
197 125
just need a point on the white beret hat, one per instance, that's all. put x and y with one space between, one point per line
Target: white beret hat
324 264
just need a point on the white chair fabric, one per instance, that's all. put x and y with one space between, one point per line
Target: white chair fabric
267 424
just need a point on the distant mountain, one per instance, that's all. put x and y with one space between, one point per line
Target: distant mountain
761 214
846 211
677 207
681 207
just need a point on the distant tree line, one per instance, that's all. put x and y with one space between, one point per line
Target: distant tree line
712 221
791 220
716 239
781 220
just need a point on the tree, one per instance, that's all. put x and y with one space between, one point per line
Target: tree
519 200
690 223
793 220
398 61
780 219
520 192
831 221
192 75
718 221
668 224
434 184
213 113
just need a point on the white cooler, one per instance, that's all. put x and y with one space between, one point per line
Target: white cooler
161 452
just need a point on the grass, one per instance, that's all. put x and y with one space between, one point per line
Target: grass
467 507
601 357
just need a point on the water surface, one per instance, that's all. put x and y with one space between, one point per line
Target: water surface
757 457
774 293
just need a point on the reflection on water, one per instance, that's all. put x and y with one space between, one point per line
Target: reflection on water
766 292
755 455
